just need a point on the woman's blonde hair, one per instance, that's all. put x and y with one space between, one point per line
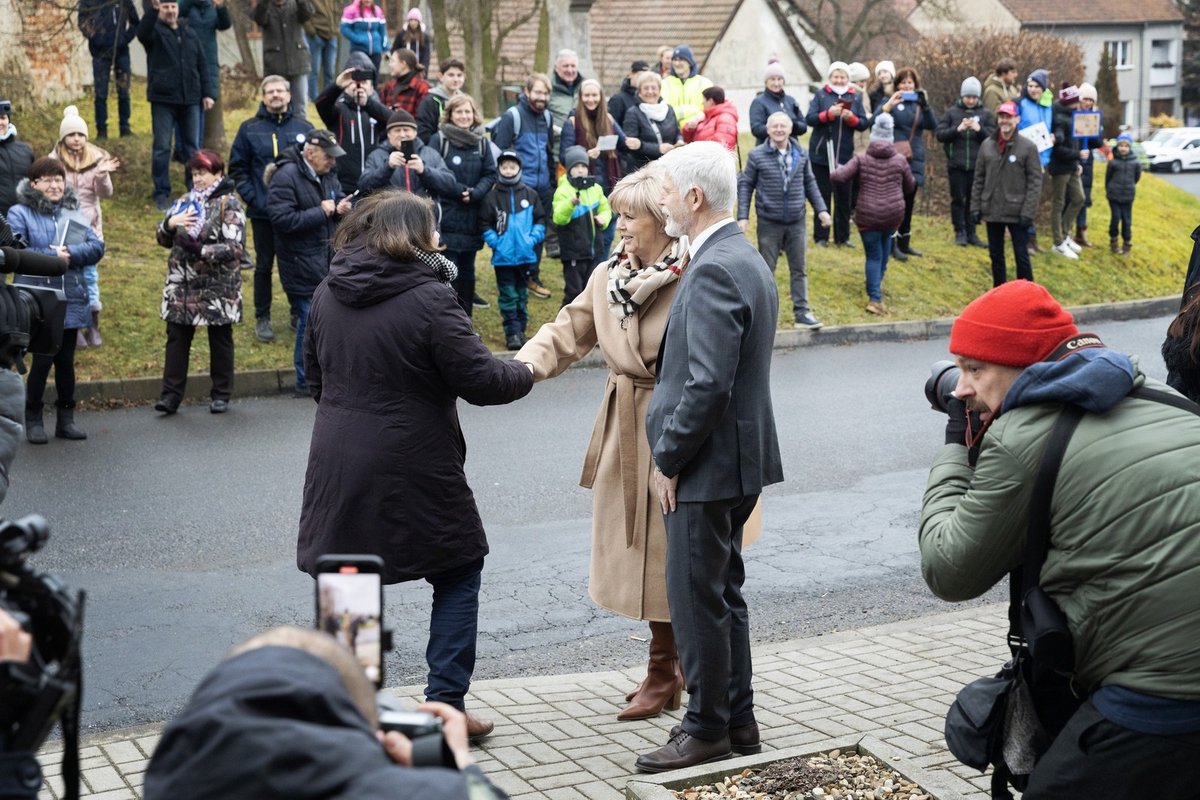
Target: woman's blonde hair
393 222
462 100
640 193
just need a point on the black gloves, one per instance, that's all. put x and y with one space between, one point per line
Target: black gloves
956 422
976 217
14 327
1025 222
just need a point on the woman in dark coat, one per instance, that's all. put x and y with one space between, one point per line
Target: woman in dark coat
468 156
912 118
387 353
46 209
206 231
651 130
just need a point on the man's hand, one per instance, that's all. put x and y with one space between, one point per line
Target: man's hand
15 643
454 729
208 103
329 207
344 205
343 79
416 164
956 424
1084 154
395 159
466 196
825 219
665 488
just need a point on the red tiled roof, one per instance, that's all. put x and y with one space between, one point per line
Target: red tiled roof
1095 11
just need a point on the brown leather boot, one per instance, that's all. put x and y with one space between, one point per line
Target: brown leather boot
1033 245
1125 248
1113 246
1081 236
663 683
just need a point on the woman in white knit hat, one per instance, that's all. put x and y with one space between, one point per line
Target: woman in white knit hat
89 172
1087 152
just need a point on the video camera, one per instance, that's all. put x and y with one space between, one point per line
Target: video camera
46 689
32 317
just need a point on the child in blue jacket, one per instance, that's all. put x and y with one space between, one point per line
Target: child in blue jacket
513 225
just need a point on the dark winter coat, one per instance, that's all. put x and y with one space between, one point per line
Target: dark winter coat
767 103
1121 177
378 174
473 169
303 234
1183 371
176 65
962 147
604 169
776 201
387 354
109 26
359 129
622 100
841 129
911 120
563 97
204 274
37 221
1064 156
513 223
205 20
534 144
1007 188
429 112
15 159
279 722
884 177
652 134
259 142
284 48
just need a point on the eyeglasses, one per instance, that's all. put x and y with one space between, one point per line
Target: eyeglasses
51 179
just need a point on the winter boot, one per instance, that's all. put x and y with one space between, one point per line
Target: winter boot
973 238
1081 236
94 330
1113 246
35 430
663 683
81 339
1126 248
64 427
960 238
898 252
1033 244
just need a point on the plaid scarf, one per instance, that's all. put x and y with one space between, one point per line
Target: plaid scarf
631 284
442 267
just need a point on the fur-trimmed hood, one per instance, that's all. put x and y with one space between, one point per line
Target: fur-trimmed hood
29 196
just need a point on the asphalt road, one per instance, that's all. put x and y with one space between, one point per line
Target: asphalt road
183 529
1188 181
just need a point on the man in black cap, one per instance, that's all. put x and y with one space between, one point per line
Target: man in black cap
404 161
305 201
353 111
626 97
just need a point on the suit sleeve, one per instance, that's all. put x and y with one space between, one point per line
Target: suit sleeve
714 321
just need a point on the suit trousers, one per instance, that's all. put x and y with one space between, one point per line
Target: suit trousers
705 574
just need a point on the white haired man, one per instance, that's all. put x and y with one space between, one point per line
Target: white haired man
564 86
712 434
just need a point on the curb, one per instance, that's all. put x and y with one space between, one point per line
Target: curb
267 383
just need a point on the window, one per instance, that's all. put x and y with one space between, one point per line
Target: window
1161 56
1121 52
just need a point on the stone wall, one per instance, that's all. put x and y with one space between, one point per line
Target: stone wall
42 54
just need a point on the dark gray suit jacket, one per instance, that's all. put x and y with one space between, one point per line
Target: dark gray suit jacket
710 419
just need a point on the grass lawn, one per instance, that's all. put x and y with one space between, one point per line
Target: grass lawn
937 285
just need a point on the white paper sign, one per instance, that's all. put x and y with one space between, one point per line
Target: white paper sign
606 143
1039 135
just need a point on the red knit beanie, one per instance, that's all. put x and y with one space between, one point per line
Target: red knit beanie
1016 324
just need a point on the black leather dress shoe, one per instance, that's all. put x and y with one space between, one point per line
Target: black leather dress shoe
165 406
684 750
743 740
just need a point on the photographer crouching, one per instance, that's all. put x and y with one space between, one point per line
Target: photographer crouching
291 715
1108 629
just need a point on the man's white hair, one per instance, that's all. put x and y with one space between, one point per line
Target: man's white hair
566 53
782 115
706 166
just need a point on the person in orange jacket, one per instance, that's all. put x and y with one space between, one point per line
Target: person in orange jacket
718 124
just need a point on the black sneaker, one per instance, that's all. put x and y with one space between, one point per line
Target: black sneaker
514 341
479 302
218 406
165 406
960 238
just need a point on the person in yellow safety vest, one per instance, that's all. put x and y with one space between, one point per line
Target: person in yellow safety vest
683 88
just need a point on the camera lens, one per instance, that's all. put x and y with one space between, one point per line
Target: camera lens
943 377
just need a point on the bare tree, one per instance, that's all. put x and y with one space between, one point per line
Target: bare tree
851 29
486 24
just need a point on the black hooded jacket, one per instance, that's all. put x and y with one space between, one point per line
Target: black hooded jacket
277 723
303 232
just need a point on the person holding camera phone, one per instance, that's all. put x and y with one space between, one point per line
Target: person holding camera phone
403 161
964 127
835 113
290 715
911 117
1123 551
353 111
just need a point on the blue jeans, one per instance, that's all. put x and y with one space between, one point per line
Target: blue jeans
118 67
453 626
163 119
300 306
877 245
323 55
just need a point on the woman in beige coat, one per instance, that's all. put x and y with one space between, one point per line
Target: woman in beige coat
624 309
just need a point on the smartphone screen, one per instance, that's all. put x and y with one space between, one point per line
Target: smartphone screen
909 97
408 147
350 608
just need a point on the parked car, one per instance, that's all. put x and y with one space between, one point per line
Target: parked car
1174 149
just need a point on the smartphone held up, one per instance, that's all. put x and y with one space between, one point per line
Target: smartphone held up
350 608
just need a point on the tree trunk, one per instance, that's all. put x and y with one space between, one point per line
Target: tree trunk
441 35
239 14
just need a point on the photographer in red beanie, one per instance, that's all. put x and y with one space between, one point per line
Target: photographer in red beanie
1123 560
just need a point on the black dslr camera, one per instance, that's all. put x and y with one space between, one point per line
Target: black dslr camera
943 377
48 687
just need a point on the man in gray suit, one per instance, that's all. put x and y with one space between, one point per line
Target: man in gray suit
712 432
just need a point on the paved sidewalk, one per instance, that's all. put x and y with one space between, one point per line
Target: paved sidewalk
557 737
